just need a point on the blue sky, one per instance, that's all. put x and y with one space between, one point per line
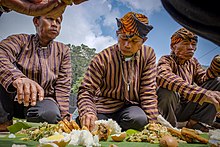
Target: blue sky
93 23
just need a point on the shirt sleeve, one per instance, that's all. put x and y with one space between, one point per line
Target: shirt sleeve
9 50
214 70
63 83
91 82
148 95
166 78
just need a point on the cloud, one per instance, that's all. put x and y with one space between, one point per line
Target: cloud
81 24
148 6
91 23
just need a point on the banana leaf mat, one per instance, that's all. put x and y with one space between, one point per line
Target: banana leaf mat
5 141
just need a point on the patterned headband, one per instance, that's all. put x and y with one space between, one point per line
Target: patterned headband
134 23
183 34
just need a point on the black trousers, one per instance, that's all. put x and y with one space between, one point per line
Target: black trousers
44 111
128 117
175 109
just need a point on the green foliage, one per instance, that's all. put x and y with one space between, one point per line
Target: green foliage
75 86
80 59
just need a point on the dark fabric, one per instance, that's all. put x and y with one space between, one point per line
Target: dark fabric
6 105
129 117
175 109
46 110
200 17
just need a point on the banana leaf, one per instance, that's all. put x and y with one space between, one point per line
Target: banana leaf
5 141
8 142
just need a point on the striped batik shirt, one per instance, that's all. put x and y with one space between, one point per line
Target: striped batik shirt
21 56
103 89
186 78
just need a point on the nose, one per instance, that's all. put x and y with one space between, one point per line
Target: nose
53 22
193 47
127 44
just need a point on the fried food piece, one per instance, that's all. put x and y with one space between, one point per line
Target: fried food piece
194 135
85 128
74 125
178 134
64 127
68 124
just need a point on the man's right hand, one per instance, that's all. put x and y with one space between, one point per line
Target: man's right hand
213 97
88 120
28 91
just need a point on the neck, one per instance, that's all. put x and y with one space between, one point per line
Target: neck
178 60
43 43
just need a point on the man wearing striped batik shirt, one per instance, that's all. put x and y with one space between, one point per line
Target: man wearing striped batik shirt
35 75
120 82
188 92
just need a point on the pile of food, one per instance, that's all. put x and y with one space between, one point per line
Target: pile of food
153 133
69 133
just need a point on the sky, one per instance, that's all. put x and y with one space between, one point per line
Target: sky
93 23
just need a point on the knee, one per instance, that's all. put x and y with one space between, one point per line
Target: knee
165 96
136 122
51 117
140 121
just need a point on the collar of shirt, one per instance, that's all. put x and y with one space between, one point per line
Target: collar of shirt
176 59
37 42
134 57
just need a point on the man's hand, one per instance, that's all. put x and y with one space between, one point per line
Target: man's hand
213 97
88 120
38 7
28 91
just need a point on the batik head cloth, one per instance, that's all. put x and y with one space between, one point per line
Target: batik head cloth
183 34
134 23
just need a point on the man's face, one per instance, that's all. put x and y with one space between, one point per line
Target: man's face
184 49
129 45
48 28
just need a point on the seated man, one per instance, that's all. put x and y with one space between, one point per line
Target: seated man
120 82
187 91
35 75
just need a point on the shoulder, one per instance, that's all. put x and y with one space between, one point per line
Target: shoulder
147 52
61 46
194 60
147 48
21 37
17 40
166 60
166 57
107 53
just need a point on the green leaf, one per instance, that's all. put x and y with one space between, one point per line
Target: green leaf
131 131
18 126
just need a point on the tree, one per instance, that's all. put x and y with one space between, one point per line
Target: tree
80 59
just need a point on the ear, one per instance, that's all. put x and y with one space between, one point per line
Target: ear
144 39
172 46
36 21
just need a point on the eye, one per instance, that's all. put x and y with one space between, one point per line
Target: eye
135 41
50 19
58 21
